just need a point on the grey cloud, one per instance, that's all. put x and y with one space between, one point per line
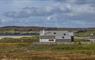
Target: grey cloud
28 12
77 1
85 2
10 14
37 11
63 9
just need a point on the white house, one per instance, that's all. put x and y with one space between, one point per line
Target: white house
92 38
56 36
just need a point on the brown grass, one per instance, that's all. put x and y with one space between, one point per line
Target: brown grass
45 56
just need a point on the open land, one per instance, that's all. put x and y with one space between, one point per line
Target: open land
22 48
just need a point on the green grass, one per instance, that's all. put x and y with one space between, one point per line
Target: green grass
86 48
85 34
15 48
27 51
20 40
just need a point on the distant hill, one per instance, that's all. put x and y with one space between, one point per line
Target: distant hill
37 28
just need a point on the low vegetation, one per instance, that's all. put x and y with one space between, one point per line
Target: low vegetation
20 40
27 51
85 33
24 49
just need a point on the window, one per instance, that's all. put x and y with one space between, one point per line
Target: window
54 33
63 37
64 34
51 40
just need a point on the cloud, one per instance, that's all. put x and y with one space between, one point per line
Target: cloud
61 8
65 12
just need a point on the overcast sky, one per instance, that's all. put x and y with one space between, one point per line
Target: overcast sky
51 13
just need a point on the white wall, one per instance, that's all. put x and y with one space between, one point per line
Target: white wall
46 40
57 33
92 40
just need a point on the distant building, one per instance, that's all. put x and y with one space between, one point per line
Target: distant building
56 36
92 38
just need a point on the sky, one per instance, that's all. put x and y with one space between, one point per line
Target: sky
48 13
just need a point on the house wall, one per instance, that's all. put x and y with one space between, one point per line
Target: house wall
47 40
92 40
60 36
52 32
63 37
63 40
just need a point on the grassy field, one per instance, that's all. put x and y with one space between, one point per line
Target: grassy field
85 33
46 56
24 49
27 51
